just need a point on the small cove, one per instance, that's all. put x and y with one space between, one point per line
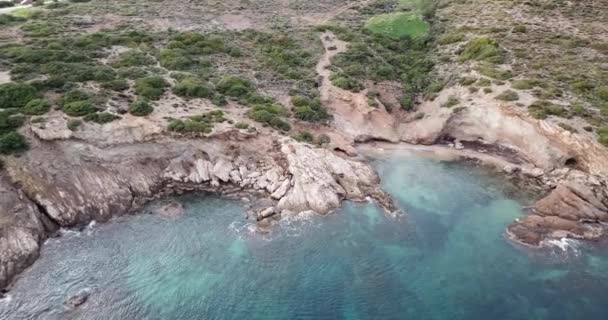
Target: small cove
446 258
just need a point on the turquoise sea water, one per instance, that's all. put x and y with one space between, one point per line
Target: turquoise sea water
446 258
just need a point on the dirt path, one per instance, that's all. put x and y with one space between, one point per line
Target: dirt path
352 114
338 11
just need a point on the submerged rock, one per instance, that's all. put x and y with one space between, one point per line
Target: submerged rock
171 210
78 299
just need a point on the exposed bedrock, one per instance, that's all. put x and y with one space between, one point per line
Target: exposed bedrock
73 183
571 168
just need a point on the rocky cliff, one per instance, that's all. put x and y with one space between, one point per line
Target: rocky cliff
67 183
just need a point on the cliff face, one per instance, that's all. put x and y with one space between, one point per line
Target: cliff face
22 230
83 182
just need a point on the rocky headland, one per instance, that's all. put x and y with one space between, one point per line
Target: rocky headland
70 177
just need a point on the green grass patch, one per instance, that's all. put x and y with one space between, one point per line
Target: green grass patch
483 48
398 25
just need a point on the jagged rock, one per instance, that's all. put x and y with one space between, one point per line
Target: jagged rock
572 210
235 177
266 213
281 190
322 179
22 230
222 169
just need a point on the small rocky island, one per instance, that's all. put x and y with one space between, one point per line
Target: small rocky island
104 107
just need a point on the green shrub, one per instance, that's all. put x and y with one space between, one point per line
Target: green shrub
132 73
7 19
37 107
520 29
467 81
235 87
192 88
116 85
495 73
304 136
133 58
10 121
175 59
189 125
525 84
603 135
346 83
484 82
309 110
140 108
73 96
6 4
241 125
78 108
73 124
508 95
16 95
482 48
152 87
101 117
542 109
602 92
12 142
452 101
270 114
451 38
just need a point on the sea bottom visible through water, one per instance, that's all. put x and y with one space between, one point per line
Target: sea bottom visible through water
446 258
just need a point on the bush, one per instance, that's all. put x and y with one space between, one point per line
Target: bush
132 73
542 109
508 95
192 88
175 59
495 73
241 125
116 85
73 124
140 108
73 96
482 48
304 136
101 117
6 4
16 95
37 107
12 142
133 58
189 125
6 19
323 139
152 87
78 108
452 101
525 84
602 92
309 110
603 135
235 87
270 114
10 121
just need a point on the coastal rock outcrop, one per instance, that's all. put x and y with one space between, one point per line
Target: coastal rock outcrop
71 183
22 230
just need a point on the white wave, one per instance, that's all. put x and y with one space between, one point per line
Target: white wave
565 244
6 299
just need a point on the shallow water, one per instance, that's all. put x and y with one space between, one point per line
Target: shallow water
447 258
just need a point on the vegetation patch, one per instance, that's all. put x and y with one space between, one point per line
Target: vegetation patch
152 87
37 107
192 87
100 117
12 142
483 48
141 108
197 124
16 95
398 25
542 109
309 110
508 95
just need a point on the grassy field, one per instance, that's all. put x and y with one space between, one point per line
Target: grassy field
398 24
